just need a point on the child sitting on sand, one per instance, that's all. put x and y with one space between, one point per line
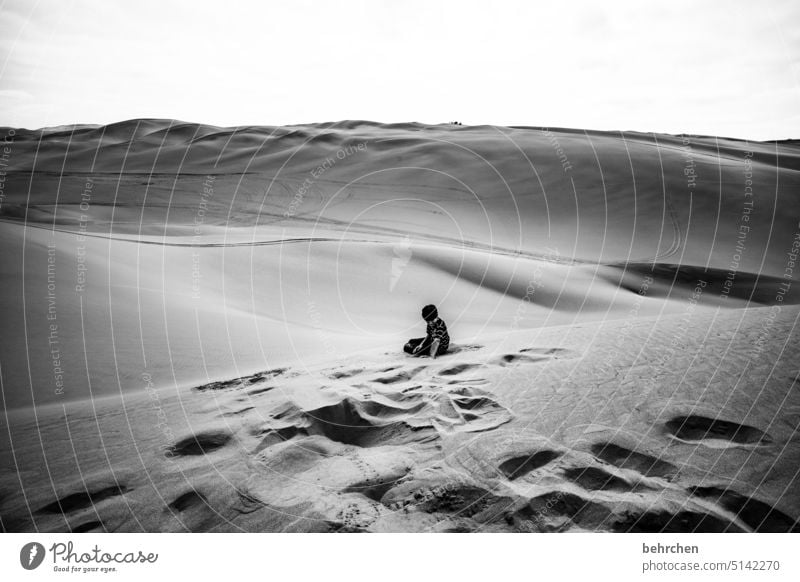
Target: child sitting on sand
437 340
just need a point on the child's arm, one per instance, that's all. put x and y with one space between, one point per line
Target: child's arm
434 348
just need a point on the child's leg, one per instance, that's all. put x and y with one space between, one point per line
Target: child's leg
413 343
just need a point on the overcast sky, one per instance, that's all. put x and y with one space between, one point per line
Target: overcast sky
721 68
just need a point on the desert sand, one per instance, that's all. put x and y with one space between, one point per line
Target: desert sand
204 329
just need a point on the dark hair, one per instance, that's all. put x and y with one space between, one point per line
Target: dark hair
429 313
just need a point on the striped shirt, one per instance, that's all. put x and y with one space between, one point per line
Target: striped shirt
438 330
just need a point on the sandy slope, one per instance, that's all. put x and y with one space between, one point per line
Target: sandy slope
614 369
648 425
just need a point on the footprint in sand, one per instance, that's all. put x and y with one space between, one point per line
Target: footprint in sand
669 522
549 352
199 444
532 356
760 516
239 412
402 376
470 382
88 526
458 369
259 391
714 432
374 490
512 359
83 499
520 466
596 479
458 348
247 503
560 510
342 374
188 500
195 511
623 458
240 383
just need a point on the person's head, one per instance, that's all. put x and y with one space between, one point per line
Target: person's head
429 313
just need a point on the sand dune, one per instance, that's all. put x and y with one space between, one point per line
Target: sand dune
622 307
609 426
618 197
